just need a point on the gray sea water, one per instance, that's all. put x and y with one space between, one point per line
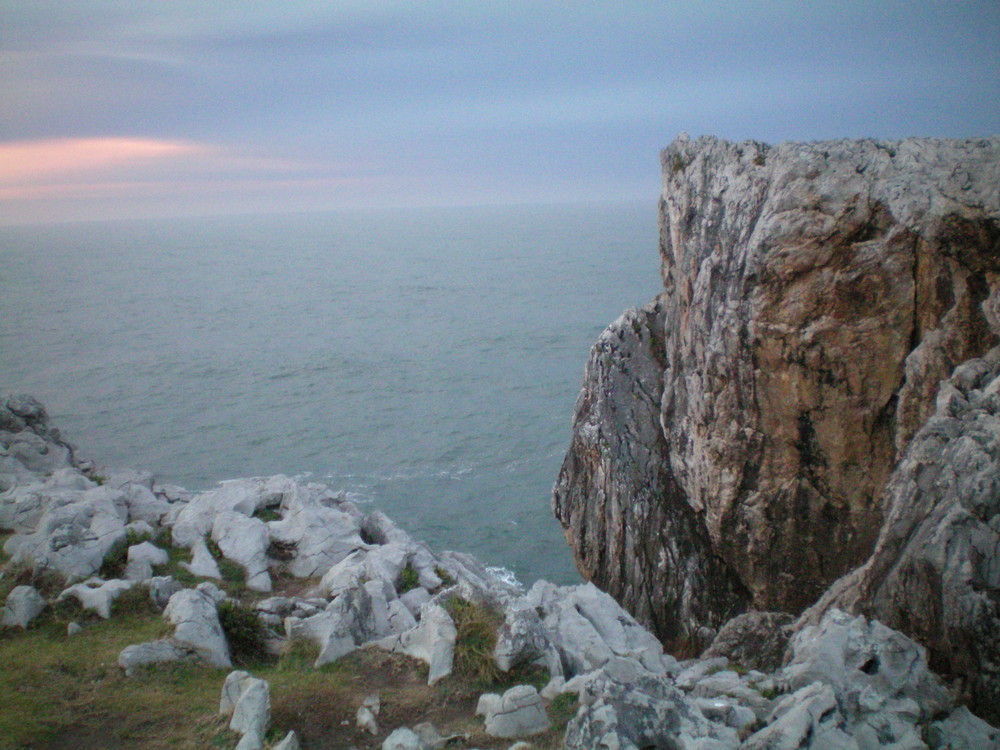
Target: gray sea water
425 361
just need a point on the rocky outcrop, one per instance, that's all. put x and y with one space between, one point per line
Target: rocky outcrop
935 571
733 442
847 681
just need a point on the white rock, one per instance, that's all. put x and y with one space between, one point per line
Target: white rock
322 529
290 742
962 730
244 541
202 563
74 537
196 621
73 628
23 605
252 712
161 588
520 712
432 641
133 658
97 595
402 739
232 688
142 558
809 718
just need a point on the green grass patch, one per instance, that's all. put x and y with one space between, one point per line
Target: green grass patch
409 579
67 691
268 514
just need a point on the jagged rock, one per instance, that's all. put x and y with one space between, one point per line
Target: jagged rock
936 565
586 628
627 707
754 640
251 711
30 448
379 529
807 719
195 618
22 507
522 638
141 559
519 712
962 730
202 563
97 595
732 443
358 616
244 541
161 588
432 641
23 605
871 668
73 533
320 527
192 520
290 742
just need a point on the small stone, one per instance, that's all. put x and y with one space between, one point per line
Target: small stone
73 628
24 604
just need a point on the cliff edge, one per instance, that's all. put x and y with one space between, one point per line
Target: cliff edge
735 442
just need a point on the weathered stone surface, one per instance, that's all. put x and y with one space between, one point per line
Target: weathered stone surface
935 570
135 657
814 296
74 531
195 619
97 595
23 605
251 712
627 707
754 640
142 558
432 641
244 541
519 712
319 526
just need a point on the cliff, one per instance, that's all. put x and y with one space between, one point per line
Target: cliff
733 442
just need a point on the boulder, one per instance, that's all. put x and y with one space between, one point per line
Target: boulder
321 528
251 712
195 618
432 641
202 563
72 538
97 595
754 640
625 706
403 739
141 560
244 541
519 712
135 657
23 605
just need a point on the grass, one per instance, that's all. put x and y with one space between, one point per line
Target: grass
409 579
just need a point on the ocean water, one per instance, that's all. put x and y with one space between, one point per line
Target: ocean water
424 361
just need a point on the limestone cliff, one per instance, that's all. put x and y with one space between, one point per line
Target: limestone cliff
733 442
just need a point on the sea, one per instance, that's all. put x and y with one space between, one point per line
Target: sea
424 361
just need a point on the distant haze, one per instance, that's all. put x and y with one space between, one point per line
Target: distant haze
116 109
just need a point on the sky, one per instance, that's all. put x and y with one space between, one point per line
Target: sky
112 109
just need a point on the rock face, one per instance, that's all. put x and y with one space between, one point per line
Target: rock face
733 442
935 571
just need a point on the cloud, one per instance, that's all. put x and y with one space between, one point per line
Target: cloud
34 162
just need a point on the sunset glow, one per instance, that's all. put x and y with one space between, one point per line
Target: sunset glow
30 162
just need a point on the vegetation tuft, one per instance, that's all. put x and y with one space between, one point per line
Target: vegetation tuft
409 579
245 633
270 513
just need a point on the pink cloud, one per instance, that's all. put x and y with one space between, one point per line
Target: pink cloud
28 162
